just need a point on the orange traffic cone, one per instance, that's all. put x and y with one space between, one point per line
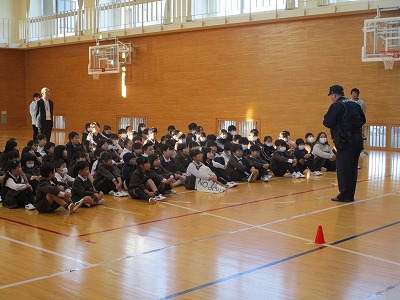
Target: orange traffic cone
319 238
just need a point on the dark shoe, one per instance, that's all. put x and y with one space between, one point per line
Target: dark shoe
341 200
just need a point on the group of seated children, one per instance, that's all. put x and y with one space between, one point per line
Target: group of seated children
47 176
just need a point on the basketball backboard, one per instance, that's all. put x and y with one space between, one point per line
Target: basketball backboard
107 59
381 39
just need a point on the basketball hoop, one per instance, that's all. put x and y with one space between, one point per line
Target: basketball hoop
388 58
95 76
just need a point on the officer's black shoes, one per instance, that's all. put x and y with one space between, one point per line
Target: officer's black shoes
341 200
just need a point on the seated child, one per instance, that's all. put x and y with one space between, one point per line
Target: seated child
142 184
62 173
97 153
238 167
30 169
16 192
127 147
193 171
182 159
128 168
115 145
282 161
51 194
83 189
168 162
255 160
78 156
304 159
148 149
33 144
74 142
208 156
323 154
225 154
42 140
268 149
108 177
163 186
49 149
309 141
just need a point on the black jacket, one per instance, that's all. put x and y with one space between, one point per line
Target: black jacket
344 116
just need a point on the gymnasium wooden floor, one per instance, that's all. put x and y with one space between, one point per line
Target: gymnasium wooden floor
255 241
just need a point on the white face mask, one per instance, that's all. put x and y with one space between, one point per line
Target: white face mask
244 147
282 149
183 141
223 136
124 135
193 131
310 139
285 139
228 152
322 140
115 142
30 165
64 171
233 133
251 138
301 147
203 139
142 128
269 144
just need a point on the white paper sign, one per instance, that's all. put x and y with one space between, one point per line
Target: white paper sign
209 186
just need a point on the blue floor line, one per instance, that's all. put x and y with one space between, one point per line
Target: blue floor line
275 262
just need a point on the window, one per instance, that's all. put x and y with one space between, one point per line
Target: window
242 127
395 137
123 122
58 137
377 136
59 122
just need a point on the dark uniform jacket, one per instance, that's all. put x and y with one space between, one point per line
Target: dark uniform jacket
344 116
82 188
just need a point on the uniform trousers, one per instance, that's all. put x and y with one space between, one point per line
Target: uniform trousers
347 167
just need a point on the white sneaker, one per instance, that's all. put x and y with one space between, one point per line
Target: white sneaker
101 201
1 200
119 194
111 193
231 184
265 178
316 173
30 206
152 200
295 175
78 204
160 197
301 175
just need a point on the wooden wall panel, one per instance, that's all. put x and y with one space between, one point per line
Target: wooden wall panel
12 86
278 72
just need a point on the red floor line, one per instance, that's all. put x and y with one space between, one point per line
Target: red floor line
36 227
200 212
166 219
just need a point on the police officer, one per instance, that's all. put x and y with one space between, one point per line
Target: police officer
345 119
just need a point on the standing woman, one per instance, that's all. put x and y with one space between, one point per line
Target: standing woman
44 113
32 109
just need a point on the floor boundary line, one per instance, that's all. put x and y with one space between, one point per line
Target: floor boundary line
273 263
